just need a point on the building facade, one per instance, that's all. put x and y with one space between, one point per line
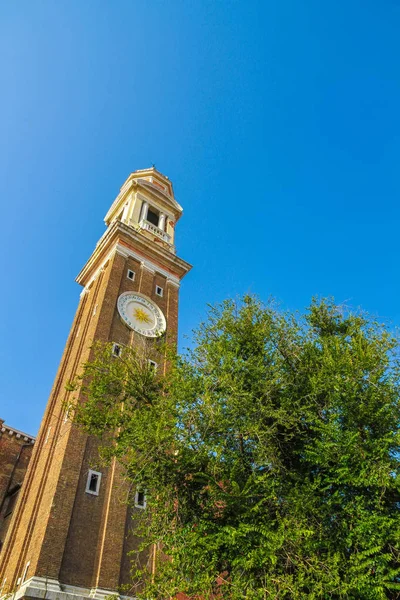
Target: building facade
15 452
71 529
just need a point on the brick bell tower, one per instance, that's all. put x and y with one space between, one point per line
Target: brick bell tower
71 531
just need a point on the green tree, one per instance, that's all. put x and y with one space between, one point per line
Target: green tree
269 454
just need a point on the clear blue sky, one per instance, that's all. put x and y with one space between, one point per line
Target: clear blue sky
277 121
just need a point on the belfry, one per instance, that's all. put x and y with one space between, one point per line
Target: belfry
70 530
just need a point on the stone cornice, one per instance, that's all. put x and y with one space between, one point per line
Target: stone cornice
135 244
162 197
20 435
44 588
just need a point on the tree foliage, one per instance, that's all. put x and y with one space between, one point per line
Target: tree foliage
269 454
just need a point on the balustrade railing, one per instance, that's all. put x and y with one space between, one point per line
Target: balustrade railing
156 230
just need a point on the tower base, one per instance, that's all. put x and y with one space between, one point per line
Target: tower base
42 588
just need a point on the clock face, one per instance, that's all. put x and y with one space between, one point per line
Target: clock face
141 314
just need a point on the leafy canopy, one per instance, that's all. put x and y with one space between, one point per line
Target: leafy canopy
269 454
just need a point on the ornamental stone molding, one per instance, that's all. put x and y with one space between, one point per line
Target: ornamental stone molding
20 435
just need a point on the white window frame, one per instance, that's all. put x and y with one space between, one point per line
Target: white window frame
66 414
158 287
47 435
25 572
89 477
114 346
3 586
153 363
133 275
137 505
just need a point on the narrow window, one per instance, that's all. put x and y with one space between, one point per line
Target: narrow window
153 365
159 290
140 499
131 275
153 216
116 350
93 482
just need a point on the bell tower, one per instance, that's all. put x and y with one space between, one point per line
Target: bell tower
71 530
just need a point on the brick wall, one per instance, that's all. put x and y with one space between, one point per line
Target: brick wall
15 453
60 530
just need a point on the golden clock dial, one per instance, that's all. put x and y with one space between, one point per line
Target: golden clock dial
141 314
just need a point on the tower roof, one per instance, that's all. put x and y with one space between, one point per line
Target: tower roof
152 181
